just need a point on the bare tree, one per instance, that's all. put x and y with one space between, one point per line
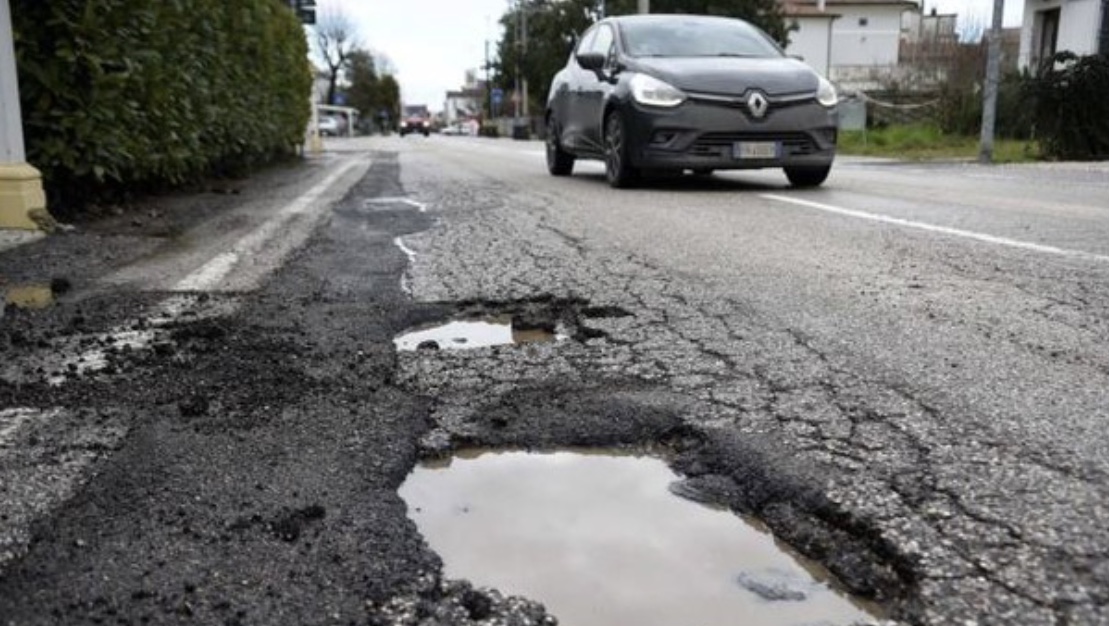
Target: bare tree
336 40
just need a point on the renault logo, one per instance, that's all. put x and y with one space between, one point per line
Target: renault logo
757 104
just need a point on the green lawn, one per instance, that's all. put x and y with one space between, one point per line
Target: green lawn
918 143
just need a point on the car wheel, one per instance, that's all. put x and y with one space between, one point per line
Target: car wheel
807 176
617 169
559 162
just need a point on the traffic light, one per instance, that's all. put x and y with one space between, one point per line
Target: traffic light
305 10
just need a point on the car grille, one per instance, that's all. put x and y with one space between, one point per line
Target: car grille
715 144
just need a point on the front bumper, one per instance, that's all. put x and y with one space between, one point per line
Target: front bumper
700 134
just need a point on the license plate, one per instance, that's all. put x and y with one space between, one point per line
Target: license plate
755 150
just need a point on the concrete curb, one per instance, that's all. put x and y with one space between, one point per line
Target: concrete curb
12 237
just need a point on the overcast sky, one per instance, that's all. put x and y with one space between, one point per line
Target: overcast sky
432 43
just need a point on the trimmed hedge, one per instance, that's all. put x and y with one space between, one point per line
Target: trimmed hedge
120 95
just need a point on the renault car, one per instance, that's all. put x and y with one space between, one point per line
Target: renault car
675 93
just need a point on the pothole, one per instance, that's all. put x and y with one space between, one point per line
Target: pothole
600 540
474 333
484 324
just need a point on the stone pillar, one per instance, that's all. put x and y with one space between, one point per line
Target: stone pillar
22 201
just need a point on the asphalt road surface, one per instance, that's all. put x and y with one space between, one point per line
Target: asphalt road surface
904 374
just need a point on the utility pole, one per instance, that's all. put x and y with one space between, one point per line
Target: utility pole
993 71
644 6
21 194
524 51
519 53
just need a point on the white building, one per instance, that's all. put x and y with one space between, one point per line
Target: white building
1050 26
854 42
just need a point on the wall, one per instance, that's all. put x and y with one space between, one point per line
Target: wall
1078 24
810 41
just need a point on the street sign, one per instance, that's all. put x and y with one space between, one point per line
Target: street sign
305 10
497 96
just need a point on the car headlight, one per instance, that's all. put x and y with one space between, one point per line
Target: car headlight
826 93
426 124
653 92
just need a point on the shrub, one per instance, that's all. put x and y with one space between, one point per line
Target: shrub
1071 108
143 94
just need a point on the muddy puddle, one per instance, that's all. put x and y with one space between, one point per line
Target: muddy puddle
474 333
600 540
29 296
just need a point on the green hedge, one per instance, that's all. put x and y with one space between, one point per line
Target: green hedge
1071 95
145 94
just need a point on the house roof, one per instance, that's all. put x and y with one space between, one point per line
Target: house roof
791 9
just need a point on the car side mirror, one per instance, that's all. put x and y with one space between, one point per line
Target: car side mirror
594 61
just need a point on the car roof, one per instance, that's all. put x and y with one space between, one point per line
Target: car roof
665 17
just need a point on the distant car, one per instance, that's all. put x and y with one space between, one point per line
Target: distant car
328 126
453 129
672 93
417 123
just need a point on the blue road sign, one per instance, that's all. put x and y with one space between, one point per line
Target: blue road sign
497 95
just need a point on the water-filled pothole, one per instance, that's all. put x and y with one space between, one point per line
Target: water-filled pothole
474 333
600 540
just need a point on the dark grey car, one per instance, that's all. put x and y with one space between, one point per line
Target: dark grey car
682 92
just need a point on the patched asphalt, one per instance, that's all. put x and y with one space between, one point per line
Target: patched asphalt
242 467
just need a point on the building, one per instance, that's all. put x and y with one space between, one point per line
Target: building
465 104
1050 26
855 43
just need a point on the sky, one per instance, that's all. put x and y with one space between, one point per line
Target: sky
431 43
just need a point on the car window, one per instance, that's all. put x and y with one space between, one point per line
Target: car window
586 41
602 43
696 38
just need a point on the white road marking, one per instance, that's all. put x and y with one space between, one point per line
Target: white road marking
408 252
74 359
420 206
214 271
954 232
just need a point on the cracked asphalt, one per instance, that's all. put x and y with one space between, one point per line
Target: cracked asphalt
904 374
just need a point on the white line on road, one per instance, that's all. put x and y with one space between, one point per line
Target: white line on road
955 232
209 275
408 252
420 206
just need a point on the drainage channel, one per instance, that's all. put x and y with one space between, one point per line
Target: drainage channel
600 540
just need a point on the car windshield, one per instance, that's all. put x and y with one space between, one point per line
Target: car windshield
695 38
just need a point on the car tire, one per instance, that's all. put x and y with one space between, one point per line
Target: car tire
559 162
807 176
618 171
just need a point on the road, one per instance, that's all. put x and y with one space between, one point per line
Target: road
904 374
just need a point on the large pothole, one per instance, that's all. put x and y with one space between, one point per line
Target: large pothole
600 540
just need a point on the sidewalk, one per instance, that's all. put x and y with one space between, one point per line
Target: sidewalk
11 238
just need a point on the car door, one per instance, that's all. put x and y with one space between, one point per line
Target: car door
570 116
595 87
